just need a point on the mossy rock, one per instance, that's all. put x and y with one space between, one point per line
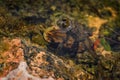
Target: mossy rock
38 39
3 46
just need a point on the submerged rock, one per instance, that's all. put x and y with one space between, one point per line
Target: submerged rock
11 54
21 73
38 64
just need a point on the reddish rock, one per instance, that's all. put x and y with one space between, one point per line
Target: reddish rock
12 56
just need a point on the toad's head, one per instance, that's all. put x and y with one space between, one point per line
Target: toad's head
64 23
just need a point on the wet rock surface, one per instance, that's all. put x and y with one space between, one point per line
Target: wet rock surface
38 64
11 55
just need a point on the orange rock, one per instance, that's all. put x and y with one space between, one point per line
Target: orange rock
14 54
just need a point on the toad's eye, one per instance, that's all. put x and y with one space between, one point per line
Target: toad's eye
63 23
64 19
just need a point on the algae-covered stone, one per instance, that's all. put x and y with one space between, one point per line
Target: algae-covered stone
38 39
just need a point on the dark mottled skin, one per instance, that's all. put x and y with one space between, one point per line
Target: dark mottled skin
80 35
